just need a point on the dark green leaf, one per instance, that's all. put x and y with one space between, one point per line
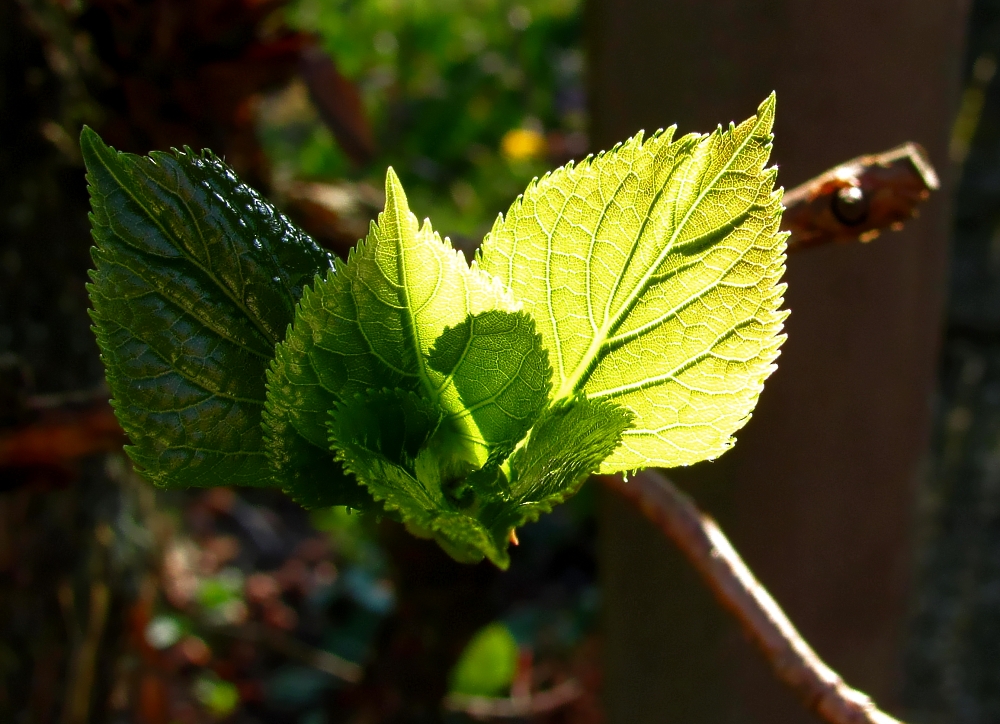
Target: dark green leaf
394 423
393 441
296 414
196 280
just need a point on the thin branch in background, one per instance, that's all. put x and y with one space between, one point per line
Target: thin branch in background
293 649
517 707
855 200
60 431
739 592
860 198
83 665
891 184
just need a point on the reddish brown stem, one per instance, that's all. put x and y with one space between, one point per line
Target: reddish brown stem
518 707
859 198
739 592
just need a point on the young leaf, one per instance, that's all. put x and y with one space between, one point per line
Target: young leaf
488 664
381 438
500 372
396 424
373 325
295 416
196 280
569 442
392 441
652 273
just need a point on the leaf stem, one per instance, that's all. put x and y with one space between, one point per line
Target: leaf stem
739 592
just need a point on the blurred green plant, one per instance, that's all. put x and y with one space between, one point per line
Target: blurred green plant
487 665
469 99
218 696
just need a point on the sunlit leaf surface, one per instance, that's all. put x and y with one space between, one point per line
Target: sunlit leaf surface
652 272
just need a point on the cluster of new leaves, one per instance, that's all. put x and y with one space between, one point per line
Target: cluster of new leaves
623 314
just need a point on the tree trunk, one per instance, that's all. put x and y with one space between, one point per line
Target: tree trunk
953 666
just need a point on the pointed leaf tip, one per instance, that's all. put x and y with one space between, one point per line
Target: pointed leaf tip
88 135
765 111
92 146
393 187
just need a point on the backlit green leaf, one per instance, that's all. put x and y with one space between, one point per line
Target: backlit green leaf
374 325
568 443
652 272
500 371
196 280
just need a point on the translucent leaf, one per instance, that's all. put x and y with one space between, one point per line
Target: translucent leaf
196 279
498 367
652 272
373 325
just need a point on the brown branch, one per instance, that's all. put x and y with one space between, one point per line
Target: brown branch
80 682
859 198
60 431
517 707
339 103
739 592
854 200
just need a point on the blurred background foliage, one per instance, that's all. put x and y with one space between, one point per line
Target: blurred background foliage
466 99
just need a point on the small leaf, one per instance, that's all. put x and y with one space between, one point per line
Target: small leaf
196 280
375 436
295 435
652 272
500 371
567 444
394 423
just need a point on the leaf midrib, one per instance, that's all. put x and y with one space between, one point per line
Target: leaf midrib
593 356
156 222
410 314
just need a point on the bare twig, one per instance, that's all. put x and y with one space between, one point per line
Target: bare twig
339 103
80 683
855 200
517 707
293 649
739 592
859 198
